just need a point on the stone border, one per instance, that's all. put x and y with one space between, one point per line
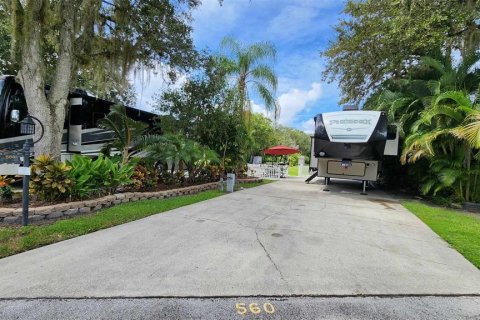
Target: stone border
9 216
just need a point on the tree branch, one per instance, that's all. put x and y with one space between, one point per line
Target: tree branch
64 68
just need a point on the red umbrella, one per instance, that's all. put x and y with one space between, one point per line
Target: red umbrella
280 150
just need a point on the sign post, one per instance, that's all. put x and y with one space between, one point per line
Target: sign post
10 160
26 182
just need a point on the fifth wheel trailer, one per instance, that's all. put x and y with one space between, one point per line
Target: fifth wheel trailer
81 133
352 144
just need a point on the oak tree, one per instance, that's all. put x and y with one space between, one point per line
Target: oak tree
56 42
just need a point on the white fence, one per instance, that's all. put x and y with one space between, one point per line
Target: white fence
268 170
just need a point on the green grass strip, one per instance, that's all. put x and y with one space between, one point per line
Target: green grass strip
14 240
18 239
461 230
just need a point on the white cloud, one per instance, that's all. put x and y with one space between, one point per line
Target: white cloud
308 126
295 101
149 83
258 108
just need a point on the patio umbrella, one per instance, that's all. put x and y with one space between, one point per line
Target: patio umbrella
280 150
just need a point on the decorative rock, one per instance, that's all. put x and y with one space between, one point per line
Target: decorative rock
90 203
134 199
84 210
71 212
97 207
44 210
5 212
54 215
62 206
117 201
36 217
109 198
120 196
77 204
12 219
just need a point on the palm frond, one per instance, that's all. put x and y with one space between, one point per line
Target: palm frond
434 64
266 95
265 73
470 131
459 97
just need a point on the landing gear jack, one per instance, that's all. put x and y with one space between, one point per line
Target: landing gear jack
364 187
327 180
313 176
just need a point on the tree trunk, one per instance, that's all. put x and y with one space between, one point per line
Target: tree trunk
468 160
49 110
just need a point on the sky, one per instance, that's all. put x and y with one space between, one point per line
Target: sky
299 29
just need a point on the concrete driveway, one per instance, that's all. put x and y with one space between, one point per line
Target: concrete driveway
282 239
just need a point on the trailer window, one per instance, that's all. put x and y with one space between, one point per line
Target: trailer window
391 132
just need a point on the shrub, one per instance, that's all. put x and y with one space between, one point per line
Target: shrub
293 159
50 179
97 177
6 193
144 178
173 179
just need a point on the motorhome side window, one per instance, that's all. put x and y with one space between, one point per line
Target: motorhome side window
16 102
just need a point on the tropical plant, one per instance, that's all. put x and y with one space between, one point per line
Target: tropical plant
436 108
447 133
97 177
144 178
50 179
125 129
170 150
6 192
250 66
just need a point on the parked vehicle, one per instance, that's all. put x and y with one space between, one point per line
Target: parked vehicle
351 144
81 133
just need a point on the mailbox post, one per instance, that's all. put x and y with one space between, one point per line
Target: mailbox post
27 127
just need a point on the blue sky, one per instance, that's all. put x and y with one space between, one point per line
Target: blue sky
299 29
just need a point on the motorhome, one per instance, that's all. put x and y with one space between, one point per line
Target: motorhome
352 144
81 132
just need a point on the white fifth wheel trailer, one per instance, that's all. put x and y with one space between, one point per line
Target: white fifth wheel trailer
352 144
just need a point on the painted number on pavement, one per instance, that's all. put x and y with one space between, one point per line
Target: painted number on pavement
254 308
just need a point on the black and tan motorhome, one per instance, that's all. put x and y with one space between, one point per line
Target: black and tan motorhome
81 132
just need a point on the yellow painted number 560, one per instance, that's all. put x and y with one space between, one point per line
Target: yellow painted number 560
254 308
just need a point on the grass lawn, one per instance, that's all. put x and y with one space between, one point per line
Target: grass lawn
252 184
18 239
461 230
293 170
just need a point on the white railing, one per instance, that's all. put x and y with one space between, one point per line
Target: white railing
275 171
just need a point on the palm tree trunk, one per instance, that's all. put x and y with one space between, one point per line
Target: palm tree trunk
224 154
468 159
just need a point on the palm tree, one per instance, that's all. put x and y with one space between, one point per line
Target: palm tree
405 99
440 122
173 148
251 68
448 133
125 129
